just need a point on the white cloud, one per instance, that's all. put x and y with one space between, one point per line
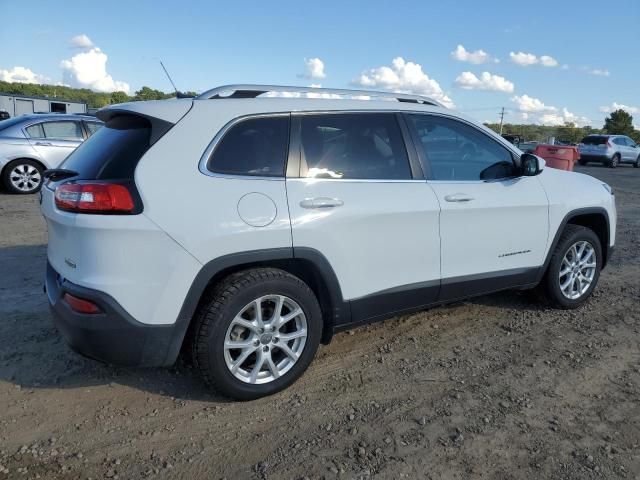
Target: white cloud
562 117
619 106
599 72
403 77
526 59
547 61
525 103
22 75
487 81
535 111
315 68
81 41
523 59
89 70
479 56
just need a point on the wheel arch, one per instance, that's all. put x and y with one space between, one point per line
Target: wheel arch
307 264
594 218
9 162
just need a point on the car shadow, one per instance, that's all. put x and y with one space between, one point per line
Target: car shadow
33 355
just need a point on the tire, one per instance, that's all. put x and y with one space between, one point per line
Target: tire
229 315
582 162
615 161
23 176
636 164
561 260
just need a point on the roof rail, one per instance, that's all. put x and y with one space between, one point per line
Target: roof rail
253 91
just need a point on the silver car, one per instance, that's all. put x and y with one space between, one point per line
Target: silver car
30 144
609 150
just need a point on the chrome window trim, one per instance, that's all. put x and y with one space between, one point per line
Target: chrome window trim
50 120
202 164
204 159
352 180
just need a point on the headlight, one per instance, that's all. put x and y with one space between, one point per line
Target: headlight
608 188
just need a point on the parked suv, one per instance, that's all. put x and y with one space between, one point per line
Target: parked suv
246 227
29 144
609 150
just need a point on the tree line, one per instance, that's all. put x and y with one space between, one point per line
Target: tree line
91 98
619 122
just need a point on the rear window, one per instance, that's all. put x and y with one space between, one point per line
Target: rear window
113 151
594 140
256 147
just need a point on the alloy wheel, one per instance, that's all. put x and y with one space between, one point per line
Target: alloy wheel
25 177
577 270
265 339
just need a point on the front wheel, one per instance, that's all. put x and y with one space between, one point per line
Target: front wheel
574 268
636 164
23 176
257 334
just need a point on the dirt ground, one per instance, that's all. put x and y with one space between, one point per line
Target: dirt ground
496 387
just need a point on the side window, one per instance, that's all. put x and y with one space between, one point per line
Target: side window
63 130
353 146
93 127
619 141
35 131
256 146
458 152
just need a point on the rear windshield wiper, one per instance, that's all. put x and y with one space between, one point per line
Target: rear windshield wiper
57 174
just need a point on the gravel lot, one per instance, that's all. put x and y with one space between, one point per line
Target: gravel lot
497 387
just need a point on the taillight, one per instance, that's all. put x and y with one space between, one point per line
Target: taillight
80 305
88 197
609 144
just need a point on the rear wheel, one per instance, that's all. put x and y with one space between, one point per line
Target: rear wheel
23 176
636 164
582 162
257 334
574 268
615 161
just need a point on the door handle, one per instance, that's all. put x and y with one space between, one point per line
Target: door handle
321 202
44 144
458 197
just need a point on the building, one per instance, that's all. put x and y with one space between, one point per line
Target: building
24 104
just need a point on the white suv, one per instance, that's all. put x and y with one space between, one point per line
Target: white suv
249 224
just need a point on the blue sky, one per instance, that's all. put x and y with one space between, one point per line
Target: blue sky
581 56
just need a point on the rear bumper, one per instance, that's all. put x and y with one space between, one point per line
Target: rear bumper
112 336
589 157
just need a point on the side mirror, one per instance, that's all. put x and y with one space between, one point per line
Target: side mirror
530 165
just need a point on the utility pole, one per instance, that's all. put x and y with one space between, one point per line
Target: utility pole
501 119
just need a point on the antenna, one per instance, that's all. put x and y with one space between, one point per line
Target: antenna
169 77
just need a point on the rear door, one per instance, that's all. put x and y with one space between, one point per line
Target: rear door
55 140
360 200
493 224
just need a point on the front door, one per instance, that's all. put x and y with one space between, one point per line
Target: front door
358 202
493 223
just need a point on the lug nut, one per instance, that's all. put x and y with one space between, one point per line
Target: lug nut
276 340
256 343
265 348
